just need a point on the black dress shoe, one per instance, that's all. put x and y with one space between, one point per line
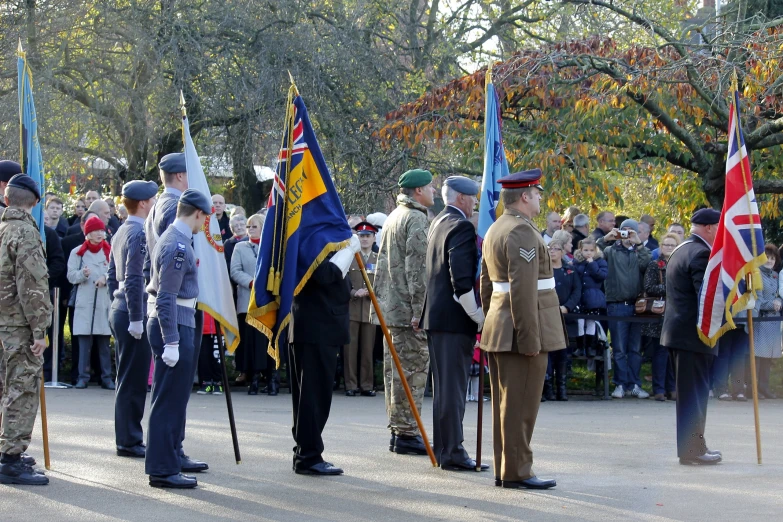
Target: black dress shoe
708 459
192 466
351 393
322 468
713 452
468 465
136 452
80 385
531 483
498 482
178 481
108 385
368 393
18 472
409 446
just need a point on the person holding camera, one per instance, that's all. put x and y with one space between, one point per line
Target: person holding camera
627 260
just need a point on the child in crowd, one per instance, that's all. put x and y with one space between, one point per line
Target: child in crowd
592 270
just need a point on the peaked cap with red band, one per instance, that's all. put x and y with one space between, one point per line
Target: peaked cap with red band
365 227
526 178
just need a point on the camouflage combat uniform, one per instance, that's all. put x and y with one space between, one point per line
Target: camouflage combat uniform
400 282
26 314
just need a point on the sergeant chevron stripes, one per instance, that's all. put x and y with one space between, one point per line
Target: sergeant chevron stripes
527 255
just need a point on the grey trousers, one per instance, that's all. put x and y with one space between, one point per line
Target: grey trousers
86 342
450 358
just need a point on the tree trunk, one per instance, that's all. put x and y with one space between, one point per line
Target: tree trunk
241 143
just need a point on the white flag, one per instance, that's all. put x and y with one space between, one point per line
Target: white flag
214 286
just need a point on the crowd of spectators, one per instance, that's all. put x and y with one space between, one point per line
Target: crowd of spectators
600 272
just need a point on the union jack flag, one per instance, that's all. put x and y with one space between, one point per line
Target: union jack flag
738 249
297 149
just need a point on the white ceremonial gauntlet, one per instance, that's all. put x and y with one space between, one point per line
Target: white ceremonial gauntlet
468 303
343 258
171 355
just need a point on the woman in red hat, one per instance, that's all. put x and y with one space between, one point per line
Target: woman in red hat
88 265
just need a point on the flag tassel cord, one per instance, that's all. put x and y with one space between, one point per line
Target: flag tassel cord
396 359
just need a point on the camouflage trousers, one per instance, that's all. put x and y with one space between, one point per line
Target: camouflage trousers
22 376
414 356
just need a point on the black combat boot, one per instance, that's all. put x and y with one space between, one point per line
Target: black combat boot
253 388
13 470
273 388
580 346
549 394
590 348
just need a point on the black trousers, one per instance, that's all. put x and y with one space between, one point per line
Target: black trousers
311 370
209 360
693 391
450 357
133 366
171 387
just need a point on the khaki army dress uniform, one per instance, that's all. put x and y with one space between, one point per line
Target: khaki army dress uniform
362 330
522 318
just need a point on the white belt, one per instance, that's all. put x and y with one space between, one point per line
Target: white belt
181 301
121 285
543 284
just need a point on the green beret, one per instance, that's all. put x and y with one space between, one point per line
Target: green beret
415 178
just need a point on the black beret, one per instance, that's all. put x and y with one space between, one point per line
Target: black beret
9 169
139 190
173 163
705 216
23 181
197 199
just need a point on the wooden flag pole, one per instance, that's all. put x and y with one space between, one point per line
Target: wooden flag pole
396 358
45 425
753 381
480 398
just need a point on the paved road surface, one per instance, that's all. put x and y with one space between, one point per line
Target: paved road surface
612 460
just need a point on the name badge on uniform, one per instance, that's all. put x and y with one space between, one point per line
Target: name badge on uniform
527 255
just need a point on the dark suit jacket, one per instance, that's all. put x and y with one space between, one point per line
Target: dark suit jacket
684 275
452 266
55 259
652 244
320 311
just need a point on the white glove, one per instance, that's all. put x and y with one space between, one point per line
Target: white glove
356 245
468 302
171 354
344 257
136 329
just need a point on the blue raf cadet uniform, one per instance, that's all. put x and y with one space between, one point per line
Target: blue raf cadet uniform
165 209
128 311
171 329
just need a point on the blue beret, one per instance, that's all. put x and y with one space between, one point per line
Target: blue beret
526 178
8 169
705 216
173 163
462 185
139 190
24 181
197 199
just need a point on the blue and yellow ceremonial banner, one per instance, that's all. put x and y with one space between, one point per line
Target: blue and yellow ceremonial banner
305 223
30 148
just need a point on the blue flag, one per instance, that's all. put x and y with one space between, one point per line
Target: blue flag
305 223
495 164
32 162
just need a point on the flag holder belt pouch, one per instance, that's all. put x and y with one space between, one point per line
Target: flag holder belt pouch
543 284
181 301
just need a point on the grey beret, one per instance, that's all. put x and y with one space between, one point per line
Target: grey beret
24 181
462 185
173 163
630 223
194 198
139 190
